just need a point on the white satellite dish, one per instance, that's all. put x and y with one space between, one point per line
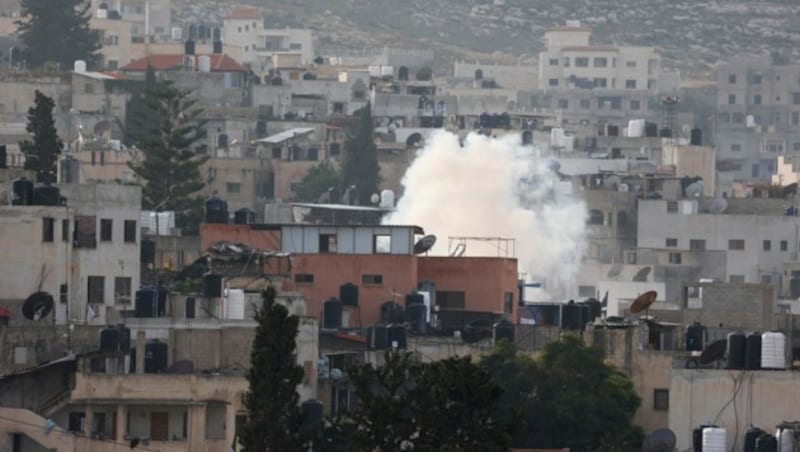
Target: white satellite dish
695 189
719 205
624 188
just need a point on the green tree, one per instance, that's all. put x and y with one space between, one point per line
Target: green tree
316 182
58 31
173 156
41 154
360 162
581 402
141 113
274 418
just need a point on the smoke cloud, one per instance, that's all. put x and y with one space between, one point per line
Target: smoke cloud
495 187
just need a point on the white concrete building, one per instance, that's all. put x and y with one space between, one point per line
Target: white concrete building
757 243
85 254
243 27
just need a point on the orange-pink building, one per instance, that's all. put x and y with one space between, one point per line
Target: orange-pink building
381 261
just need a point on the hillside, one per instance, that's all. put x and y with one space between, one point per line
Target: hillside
692 34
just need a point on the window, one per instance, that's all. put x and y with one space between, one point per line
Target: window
304 278
215 420
757 99
756 79
672 206
636 105
563 103
796 98
95 289
601 62
327 243
122 289
674 258
106 228
732 78
63 293
697 244
630 64
731 99
47 229
736 244
766 279
338 107
553 61
450 299
738 118
372 279
130 231
586 103
630 84
595 217
795 118
381 243
796 146
581 62
85 232
587 291
159 426
784 245
508 302
553 82
65 230
276 152
767 245
736 147
112 65
233 187
599 82
661 399
671 243
737 279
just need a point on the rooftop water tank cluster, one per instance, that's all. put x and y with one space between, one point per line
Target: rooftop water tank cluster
26 193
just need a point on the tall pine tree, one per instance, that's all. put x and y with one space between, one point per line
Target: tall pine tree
173 155
360 163
273 415
58 31
41 154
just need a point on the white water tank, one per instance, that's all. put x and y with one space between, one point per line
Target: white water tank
785 437
773 350
102 13
204 63
387 199
79 66
715 439
234 305
177 34
636 128
387 71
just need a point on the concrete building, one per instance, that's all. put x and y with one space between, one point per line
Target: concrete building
262 48
509 76
116 39
758 116
756 234
148 19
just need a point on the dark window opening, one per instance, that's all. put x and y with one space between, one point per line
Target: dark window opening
65 230
767 246
450 299
304 278
47 229
697 244
508 302
95 289
372 279
736 244
106 230
672 243
674 258
672 206
327 243
784 245
661 399
122 289
130 231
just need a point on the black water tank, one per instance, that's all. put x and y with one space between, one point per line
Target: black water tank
147 253
696 137
397 336
752 351
216 211
348 294
145 303
596 308
586 315
188 48
503 330
109 339
212 285
766 443
23 192
650 129
3 157
750 438
46 195
695 337
414 298
244 216
736 350
332 314
613 130
416 317
217 47
378 337
570 317
794 287
392 312
666 133
124 338
155 357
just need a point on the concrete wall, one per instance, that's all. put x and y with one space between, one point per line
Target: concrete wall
750 307
731 399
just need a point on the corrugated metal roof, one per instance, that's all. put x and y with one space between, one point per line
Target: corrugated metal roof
286 135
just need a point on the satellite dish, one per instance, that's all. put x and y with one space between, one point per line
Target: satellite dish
718 205
714 352
615 271
644 302
424 244
375 198
641 275
661 440
612 182
695 189
37 306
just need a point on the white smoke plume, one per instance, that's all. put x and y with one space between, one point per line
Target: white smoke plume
495 187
